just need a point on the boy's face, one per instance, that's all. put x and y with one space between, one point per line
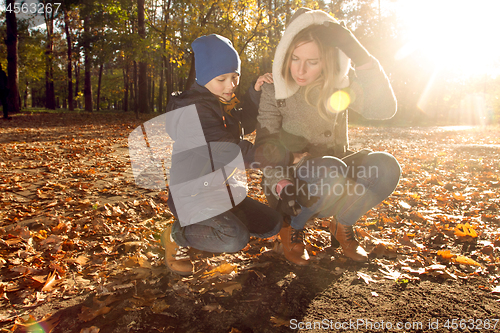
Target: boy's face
224 85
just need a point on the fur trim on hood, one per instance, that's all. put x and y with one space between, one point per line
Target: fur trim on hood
303 18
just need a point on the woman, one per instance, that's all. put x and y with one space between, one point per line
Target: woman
303 125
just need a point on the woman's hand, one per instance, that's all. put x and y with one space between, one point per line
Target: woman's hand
267 78
298 156
339 36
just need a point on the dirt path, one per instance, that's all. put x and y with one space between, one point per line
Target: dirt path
79 242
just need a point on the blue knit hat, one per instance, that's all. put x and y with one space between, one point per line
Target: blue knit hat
214 55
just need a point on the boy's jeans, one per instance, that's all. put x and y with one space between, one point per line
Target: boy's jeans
230 231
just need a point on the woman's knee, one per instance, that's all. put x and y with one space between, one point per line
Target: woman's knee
383 167
325 169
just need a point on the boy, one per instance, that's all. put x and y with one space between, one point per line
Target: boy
203 220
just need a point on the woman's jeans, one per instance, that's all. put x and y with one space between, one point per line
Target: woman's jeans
346 192
230 231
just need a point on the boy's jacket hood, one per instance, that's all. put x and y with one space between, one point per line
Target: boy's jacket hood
302 19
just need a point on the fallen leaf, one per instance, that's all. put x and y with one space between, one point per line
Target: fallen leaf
459 259
88 314
81 260
466 261
384 250
45 325
51 204
417 217
212 307
279 321
51 281
404 205
99 308
411 270
465 230
229 287
365 277
159 306
390 274
440 271
223 269
445 254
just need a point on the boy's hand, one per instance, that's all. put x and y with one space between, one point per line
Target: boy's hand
288 204
267 78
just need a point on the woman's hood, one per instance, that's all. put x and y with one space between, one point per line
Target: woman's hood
303 18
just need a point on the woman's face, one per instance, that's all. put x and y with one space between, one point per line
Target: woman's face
305 64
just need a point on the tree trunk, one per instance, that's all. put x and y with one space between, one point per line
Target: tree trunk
77 76
126 81
33 99
98 106
50 94
70 69
26 95
87 92
12 59
152 89
166 11
143 67
160 88
169 76
136 103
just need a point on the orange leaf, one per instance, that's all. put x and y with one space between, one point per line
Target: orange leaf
224 268
466 261
60 228
459 259
464 230
445 254
51 282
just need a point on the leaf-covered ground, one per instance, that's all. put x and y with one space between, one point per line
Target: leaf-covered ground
79 249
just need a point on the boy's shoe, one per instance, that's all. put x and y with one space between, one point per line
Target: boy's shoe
334 242
293 245
176 257
350 246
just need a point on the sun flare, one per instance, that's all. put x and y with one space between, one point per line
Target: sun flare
455 34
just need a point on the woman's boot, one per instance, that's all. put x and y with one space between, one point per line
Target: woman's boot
350 246
293 244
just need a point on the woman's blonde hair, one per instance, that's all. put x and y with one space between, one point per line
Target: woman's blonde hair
330 62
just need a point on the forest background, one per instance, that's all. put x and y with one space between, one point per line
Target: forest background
132 55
